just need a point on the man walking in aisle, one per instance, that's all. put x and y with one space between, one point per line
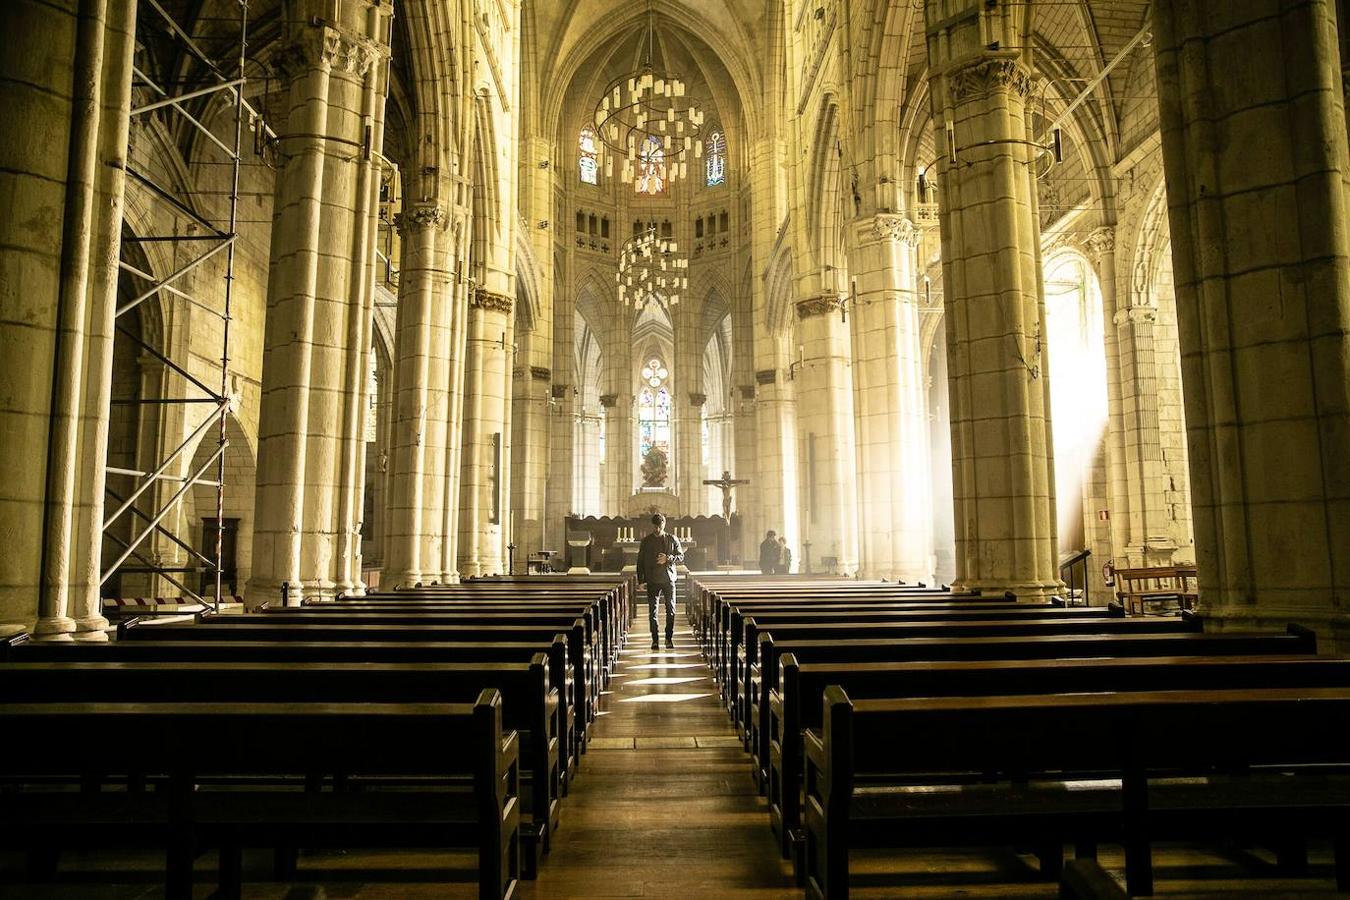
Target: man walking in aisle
657 557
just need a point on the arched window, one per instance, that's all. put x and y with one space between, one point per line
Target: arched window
717 159
588 159
654 425
651 167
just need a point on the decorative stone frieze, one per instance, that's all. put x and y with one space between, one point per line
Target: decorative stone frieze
559 391
989 76
539 373
491 301
766 376
1136 315
609 401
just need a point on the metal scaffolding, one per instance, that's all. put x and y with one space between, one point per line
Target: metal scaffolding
224 76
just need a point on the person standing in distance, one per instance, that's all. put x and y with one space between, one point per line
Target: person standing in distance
657 557
769 552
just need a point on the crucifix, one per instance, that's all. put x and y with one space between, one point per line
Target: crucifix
727 484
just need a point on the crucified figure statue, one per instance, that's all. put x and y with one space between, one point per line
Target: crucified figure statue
727 484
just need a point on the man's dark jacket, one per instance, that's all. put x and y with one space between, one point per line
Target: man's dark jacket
648 570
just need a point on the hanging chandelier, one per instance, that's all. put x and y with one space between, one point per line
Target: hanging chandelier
651 265
648 115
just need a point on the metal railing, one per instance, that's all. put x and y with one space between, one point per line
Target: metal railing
1074 573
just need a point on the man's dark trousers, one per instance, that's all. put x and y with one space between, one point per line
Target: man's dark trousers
658 593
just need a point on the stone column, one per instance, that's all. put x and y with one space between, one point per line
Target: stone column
485 463
1137 481
828 456
619 451
62 159
1003 471
777 470
333 62
529 458
894 498
1255 152
422 385
689 448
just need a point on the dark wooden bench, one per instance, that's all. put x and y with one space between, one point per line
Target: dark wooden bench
530 705
904 632
746 625
1140 767
795 704
1296 641
165 742
21 649
581 655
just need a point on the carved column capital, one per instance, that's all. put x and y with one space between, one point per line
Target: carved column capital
491 301
329 49
419 217
609 401
539 373
895 227
1101 241
698 399
983 77
766 376
1136 315
818 306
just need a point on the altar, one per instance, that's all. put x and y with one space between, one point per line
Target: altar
709 541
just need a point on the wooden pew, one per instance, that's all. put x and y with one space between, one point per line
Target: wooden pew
1167 765
795 704
530 704
1296 641
581 656
166 740
21 648
904 632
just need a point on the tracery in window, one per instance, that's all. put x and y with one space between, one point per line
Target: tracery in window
654 425
716 159
588 158
651 167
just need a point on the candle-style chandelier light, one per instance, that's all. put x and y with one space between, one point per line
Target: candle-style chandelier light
651 265
647 117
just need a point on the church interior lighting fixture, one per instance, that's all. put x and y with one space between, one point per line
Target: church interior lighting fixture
647 113
651 265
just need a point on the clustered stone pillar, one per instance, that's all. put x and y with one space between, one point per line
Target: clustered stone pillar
1255 154
65 86
828 460
1136 486
1003 472
484 490
320 301
894 502
427 358
619 449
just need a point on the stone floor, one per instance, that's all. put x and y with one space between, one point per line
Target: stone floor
664 808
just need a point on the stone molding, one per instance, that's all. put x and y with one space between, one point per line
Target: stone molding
818 306
609 401
330 49
698 399
539 373
895 227
988 76
491 301
766 376
420 217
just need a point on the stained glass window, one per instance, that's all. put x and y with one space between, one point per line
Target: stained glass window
654 425
588 155
717 159
651 167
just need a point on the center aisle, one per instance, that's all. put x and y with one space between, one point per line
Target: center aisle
664 806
